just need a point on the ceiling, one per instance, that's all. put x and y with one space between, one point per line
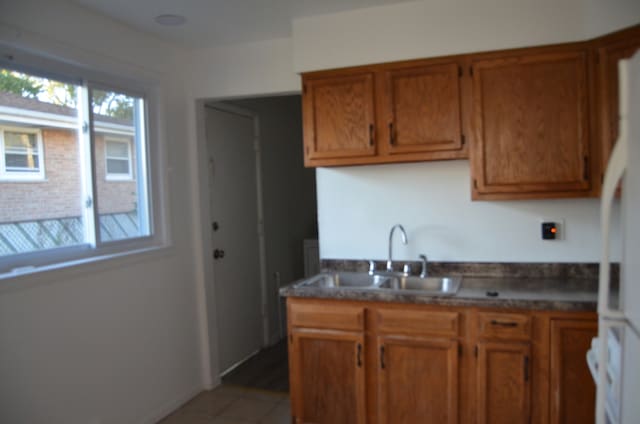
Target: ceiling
219 22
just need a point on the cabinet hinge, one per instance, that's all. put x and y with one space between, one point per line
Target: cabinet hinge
304 88
460 71
526 368
475 351
463 140
475 183
460 350
290 338
471 70
601 178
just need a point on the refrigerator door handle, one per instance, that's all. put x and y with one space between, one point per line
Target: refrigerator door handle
615 170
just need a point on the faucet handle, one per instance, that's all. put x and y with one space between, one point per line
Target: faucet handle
407 269
372 266
423 272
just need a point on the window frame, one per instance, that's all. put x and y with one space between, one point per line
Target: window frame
17 176
108 176
149 163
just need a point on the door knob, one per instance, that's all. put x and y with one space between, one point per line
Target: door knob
218 254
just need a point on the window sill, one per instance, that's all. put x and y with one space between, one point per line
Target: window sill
22 180
28 277
118 179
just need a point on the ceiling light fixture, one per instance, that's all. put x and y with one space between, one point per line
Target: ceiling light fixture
170 20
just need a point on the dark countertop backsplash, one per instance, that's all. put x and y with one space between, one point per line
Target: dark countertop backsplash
531 270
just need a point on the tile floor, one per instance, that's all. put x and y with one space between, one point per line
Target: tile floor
233 405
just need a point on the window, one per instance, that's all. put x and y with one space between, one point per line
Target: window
118 159
95 199
21 154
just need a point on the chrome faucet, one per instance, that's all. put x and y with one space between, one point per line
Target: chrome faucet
404 241
424 273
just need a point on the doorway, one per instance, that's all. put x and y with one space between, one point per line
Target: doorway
286 190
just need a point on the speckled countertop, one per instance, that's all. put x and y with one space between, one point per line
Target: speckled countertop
560 287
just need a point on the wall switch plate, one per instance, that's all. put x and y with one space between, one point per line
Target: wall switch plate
552 229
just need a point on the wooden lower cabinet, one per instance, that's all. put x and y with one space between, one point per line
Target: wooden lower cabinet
417 380
503 384
570 340
327 372
384 363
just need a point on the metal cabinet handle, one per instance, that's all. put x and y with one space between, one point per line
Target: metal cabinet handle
359 355
392 139
382 357
218 254
503 323
371 135
526 368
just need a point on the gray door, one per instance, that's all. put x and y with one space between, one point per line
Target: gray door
235 241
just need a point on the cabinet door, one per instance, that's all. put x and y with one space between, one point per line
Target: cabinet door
417 380
610 52
338 117
570 340
422 107
503 383
530 113
327 376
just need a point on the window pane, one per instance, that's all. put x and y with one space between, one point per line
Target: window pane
120 173
116 149
20 140
21 163
117 166
40 213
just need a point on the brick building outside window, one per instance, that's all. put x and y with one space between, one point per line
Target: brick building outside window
40 177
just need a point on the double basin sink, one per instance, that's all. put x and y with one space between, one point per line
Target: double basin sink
397 282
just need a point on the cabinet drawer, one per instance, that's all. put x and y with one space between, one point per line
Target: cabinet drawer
497 325
323 315
439 323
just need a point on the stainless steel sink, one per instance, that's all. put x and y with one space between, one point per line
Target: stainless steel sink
441 286
435 286
358 280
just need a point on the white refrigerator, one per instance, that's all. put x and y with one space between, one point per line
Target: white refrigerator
615 355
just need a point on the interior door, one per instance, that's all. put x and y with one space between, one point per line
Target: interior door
235 240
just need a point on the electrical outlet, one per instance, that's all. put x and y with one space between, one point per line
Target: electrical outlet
559 228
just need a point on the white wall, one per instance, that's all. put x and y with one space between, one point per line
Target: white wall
442 27
358 205
114 342
243 70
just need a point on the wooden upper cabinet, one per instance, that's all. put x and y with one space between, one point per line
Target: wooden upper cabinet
338 117
570 340
327 376
421 109
503 383
418 380
398 112
531 124
611 49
